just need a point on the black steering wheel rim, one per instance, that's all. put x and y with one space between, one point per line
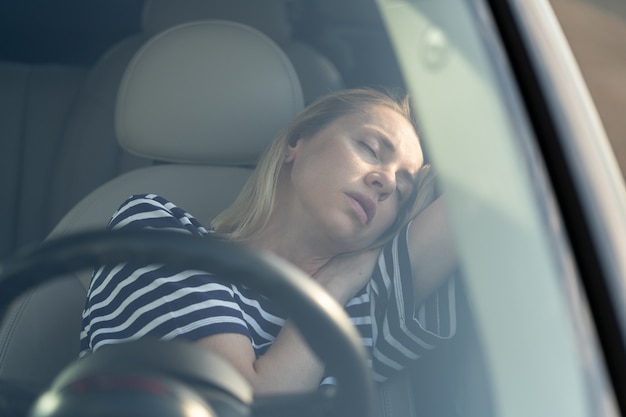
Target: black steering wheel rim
320 319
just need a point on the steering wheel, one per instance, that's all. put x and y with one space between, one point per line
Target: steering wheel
172 378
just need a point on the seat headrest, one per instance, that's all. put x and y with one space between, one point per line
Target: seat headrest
269 16
206 92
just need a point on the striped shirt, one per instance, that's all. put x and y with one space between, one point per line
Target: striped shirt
127 302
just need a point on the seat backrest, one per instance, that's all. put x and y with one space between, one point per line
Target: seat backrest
318 75
192 96
89 155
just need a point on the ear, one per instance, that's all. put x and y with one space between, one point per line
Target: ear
290 153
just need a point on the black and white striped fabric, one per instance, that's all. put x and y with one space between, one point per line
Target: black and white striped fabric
128 302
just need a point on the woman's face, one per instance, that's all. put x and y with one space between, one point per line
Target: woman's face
348 181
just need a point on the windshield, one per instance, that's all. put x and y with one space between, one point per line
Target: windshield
512 99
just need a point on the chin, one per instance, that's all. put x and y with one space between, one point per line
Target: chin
351 236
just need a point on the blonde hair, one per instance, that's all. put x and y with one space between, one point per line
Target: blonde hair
253 207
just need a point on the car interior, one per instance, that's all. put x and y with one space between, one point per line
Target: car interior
68 152
190 93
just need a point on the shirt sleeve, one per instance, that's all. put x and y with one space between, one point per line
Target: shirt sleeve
127 302
403 331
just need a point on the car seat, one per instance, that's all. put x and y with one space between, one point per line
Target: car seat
197 97
88 156
317 74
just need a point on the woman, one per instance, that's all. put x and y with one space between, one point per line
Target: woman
333 194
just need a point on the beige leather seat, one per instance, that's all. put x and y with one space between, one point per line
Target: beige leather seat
205 98
88 155
317 74
57 121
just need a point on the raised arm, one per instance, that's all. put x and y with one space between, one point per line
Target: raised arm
431 250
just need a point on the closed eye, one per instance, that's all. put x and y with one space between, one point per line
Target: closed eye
369 149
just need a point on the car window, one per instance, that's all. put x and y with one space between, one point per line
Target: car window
515 259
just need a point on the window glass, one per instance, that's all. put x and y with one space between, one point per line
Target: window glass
530 319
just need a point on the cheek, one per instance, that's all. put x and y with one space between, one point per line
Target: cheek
387 217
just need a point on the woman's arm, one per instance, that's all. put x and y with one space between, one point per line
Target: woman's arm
289 365
431 250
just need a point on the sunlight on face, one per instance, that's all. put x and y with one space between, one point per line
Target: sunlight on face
349 180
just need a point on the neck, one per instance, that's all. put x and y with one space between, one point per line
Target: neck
289 238
291 246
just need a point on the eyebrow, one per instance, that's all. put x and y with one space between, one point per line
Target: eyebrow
382 138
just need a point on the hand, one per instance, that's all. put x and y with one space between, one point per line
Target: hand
289 365
345 275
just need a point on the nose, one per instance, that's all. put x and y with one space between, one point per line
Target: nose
383 182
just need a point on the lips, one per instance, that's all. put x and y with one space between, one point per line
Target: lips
364 205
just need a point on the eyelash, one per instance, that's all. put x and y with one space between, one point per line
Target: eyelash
369 149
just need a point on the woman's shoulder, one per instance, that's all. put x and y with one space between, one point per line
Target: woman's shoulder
152 211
